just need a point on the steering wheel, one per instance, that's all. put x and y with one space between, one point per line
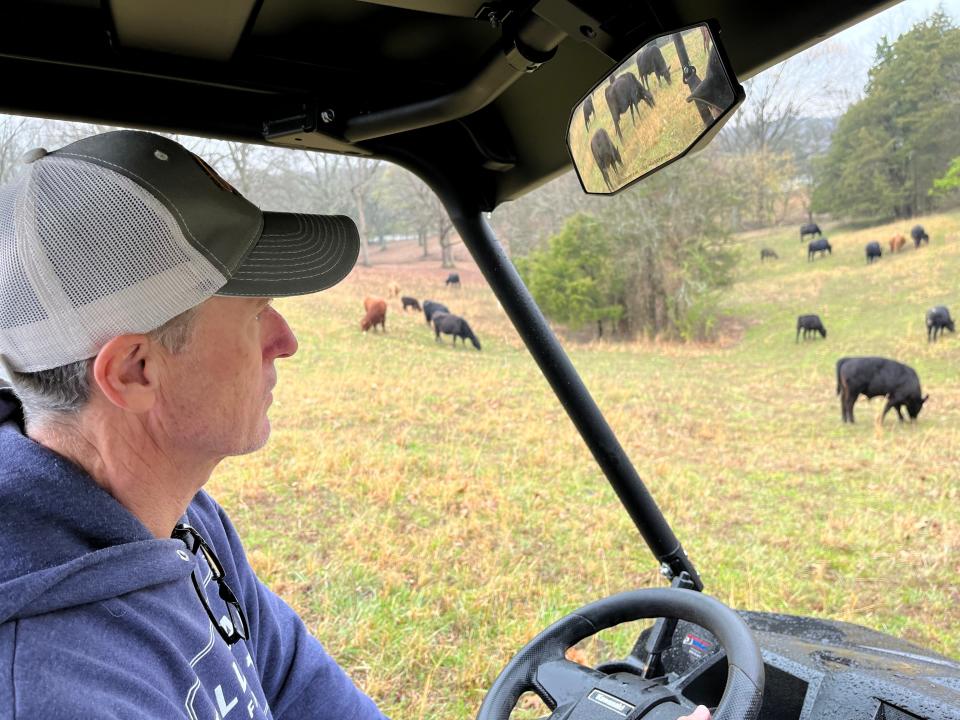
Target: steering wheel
575 692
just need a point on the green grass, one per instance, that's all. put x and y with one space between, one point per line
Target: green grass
429 509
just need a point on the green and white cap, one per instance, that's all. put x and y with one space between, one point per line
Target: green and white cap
120 232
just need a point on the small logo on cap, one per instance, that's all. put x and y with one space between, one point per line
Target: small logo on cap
160 155
221 183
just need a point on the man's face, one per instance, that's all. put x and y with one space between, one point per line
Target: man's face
216 392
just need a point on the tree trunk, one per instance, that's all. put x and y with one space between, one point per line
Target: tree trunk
447 256
362 227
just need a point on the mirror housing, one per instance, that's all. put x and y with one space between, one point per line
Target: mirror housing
667 99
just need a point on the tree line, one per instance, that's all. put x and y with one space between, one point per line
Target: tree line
654 259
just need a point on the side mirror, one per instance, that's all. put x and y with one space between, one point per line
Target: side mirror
668 98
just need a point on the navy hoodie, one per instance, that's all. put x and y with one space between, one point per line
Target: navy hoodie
99 619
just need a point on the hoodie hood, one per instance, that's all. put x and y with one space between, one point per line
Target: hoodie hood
65 541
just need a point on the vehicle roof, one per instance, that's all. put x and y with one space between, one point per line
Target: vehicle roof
270 71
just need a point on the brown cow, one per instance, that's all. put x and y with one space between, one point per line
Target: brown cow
897 242
376 314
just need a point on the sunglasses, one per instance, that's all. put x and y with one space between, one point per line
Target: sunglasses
238 621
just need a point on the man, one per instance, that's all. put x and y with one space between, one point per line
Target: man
136 327
137 330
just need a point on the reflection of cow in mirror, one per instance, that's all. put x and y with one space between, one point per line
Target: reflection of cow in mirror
714 92
606 155
588 110
650 60
624 94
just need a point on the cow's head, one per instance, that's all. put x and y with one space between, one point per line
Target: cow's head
914 405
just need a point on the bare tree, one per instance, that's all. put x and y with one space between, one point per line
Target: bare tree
327 181
17 135
359 174
524 224
785 122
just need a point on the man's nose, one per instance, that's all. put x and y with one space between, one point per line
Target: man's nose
282 342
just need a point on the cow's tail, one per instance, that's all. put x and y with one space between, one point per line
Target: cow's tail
839 385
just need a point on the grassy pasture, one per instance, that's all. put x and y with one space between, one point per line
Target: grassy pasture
428 509
657 135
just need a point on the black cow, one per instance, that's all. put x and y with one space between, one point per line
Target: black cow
874 251
650 60
919 235
606 155
938 320
588 111
454 325
809 229
714 93
768 253
810 324
818 246
430 308
409 302
453 279
873 376
623 95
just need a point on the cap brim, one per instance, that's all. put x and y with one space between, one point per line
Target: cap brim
295 255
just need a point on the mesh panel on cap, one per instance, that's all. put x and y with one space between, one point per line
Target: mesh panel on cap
108 240
18 303
100 257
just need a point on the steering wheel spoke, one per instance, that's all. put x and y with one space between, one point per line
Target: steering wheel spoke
564 681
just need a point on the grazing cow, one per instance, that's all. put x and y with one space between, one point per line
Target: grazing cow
938 320
897 242
768 253
454 325
714 93
650 60
376 314
409 302
818 246
453 279
393 289
810 324
430 307
873 376
588 111
919 235
874 252
809 229
623 95
606 155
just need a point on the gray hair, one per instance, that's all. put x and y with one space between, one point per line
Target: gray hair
61 392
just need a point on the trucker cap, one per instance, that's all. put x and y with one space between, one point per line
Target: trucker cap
120 232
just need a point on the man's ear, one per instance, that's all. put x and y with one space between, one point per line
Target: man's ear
126 371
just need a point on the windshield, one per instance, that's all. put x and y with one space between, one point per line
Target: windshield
427 506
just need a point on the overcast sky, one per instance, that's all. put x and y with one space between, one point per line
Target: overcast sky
857 48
